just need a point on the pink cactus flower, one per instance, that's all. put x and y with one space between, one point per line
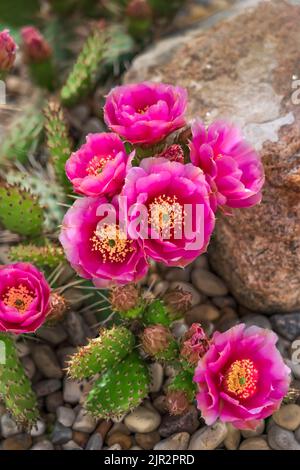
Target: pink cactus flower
99 167
194 345
177 220
24 298
145 113
232 167
8 50
99 249
242 378
35 46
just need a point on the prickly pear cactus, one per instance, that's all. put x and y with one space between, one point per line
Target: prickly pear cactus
48 256
183 381
20 211
101 353
15 387
156 313
120 389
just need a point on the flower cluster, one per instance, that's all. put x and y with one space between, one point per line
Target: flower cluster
8 50
163 206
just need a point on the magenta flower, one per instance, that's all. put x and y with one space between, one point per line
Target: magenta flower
8 50
242 378
145 113
98 168
100 249
24 298
232 167
194 345
35 46
177 220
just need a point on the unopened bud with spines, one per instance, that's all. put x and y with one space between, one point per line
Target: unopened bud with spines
159 343
156 313
194 346
177 302
126 301
181 393
58 308
8 50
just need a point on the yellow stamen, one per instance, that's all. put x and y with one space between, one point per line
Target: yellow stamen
166 214
97 164
241 378
112 243
18 297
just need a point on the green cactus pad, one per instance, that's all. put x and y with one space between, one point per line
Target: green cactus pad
120 389
20 211
156 313
101 353
15 387
84 73
58 141
183 381
48 256
22 137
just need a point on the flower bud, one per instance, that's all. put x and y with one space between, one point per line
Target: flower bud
177 402
178 302
194 345
139 9
8 51
35 46
174 153
58 308
158 342
126 300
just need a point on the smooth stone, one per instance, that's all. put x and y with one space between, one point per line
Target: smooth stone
254 443
202 312
92 126
118 427
160 288
23 349
254 432
43 445
65 416
224 301
257 320
53 334
157 377
208 437
115 447
46 362
64 354
135 448
103 428
72 391
39 429
188 422
178 274
179 441
160 404
287 325
29 366
53 401
143 420
288 417
124 440
76 329
71 445
297 434
81 438
147 441
84 422
201 262
47 387
95 442
282 439
8 426
233 438
197 297
19 442
208 283
179 328
61 434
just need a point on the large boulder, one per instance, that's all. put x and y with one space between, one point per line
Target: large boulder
244 69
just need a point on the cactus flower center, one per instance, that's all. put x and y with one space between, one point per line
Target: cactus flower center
97 163
18 297
241 379
112 243
166 215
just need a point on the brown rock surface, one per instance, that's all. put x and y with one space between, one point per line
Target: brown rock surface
243 69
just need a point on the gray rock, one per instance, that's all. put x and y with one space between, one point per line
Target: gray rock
179 328
23 349
208 283
47 362
53 401
71 445
8 426
288 417
53 334
29 366
157 376
64 353
43 445
282 439
46 387
254 432
255 443
202 312
257 320
178 274
65 416
39 429
76 329
233 438
143 420
208 437
287 325
72 391
187 422
95 442
179 441
84 422
61 434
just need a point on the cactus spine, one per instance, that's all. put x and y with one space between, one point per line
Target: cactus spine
15 387
48 256
156 313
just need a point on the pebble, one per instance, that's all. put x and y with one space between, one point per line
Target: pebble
95 442
208 437
157 377
178 274
84 422
202 312
287 325
208 283
103 428
297 434
178 441
29 366
81 438
197 298
43 445
201 262
282 439
65 416
295 368
224 301
118 427
160 288
257 320
233 438
53 334
71 391
93 126
8 426
160 404
19 442
71 445
147 441
46 362
254 432
53 401
255 443
22 348
188 422
63 355
124 440
61 434
288 417
46 387
39 429
135 448
179 328
76 329
143 420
